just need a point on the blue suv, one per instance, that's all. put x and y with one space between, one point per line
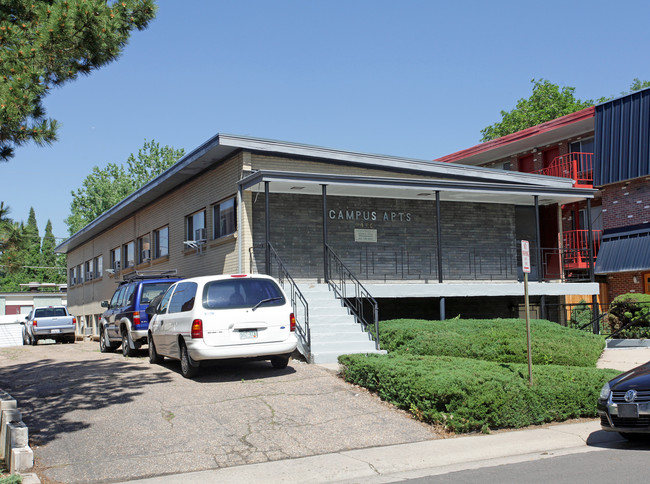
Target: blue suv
125 321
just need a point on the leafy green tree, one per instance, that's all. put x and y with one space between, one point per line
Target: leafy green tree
44 44
637 85
548 101
105 187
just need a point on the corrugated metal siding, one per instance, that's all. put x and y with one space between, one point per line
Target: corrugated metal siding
622 138
624 252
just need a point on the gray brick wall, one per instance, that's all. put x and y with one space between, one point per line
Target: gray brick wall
478 240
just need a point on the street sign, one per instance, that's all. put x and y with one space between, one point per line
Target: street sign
525 256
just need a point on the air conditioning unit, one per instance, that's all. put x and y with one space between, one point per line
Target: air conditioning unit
117 265
146 255
200 235
89 276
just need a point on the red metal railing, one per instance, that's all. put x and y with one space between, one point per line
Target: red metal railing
577 166
576 248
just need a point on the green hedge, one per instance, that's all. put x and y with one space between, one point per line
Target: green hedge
466 395
500 340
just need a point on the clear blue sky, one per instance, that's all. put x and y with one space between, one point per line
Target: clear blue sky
412 78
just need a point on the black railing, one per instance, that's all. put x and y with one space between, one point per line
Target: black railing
298 301
359 301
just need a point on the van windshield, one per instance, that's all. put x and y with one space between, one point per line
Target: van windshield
241 293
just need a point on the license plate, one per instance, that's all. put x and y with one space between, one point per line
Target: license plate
248 334
628 410
55 331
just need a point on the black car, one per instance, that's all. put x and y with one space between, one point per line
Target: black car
125 321
624 404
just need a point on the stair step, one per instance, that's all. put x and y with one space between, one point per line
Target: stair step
322 357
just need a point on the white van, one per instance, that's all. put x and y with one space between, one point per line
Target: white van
223 316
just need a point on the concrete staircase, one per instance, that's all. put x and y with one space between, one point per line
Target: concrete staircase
334 331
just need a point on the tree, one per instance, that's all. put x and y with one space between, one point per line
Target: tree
105 187
637 85
547 102
51 260
44 44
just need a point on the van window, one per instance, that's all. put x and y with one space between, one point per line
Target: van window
241 293
183 298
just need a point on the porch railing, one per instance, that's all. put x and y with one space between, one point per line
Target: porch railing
359 301
298 301
576 248
576 166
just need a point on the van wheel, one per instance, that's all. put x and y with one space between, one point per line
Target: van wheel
187 370
279 362
126 347
154 357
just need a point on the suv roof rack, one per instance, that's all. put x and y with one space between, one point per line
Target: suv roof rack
141 275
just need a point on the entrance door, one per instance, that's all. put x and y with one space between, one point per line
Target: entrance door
527 164
646 282
549 155
549 241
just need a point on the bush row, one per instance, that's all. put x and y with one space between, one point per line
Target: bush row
466 395
500 340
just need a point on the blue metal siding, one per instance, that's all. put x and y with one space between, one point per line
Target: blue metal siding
622 138
624 252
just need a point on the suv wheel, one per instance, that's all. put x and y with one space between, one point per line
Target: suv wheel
154 357
126 347
187 370
105 345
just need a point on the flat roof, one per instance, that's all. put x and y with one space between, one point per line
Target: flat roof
222 146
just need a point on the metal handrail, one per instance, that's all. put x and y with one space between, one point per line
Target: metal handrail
354 303
302 320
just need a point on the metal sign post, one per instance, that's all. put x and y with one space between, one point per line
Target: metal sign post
525 263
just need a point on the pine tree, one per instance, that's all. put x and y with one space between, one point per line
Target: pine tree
51 260
45 43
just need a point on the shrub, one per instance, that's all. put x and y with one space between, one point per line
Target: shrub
499 340
581 315
630 311
466 395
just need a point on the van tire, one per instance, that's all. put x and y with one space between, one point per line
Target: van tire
154 357
279 362
187 370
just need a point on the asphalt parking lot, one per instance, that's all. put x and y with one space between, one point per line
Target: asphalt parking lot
96 417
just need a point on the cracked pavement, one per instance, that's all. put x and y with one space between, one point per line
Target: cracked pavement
96 417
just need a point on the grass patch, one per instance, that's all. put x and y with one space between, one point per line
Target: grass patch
466 395
498 340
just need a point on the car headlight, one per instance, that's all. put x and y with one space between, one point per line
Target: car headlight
605 391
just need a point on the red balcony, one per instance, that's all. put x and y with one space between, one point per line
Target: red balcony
576 248
577 166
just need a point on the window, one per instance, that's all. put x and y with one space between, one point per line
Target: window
164 302
582 146
98 266
195 224
144 249
88 270
161 242
223 218
183 298
73 279
116 259
128 255
116 298
80 274
241 293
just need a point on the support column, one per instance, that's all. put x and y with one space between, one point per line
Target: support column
267 230
325 263
540 264
240 198
439 235
592 275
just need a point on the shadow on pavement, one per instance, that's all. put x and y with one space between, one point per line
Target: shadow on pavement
49 390
612 440
232 370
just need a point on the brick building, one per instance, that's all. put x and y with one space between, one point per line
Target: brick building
420 238
605 147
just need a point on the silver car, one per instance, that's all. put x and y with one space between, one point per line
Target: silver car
220 317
